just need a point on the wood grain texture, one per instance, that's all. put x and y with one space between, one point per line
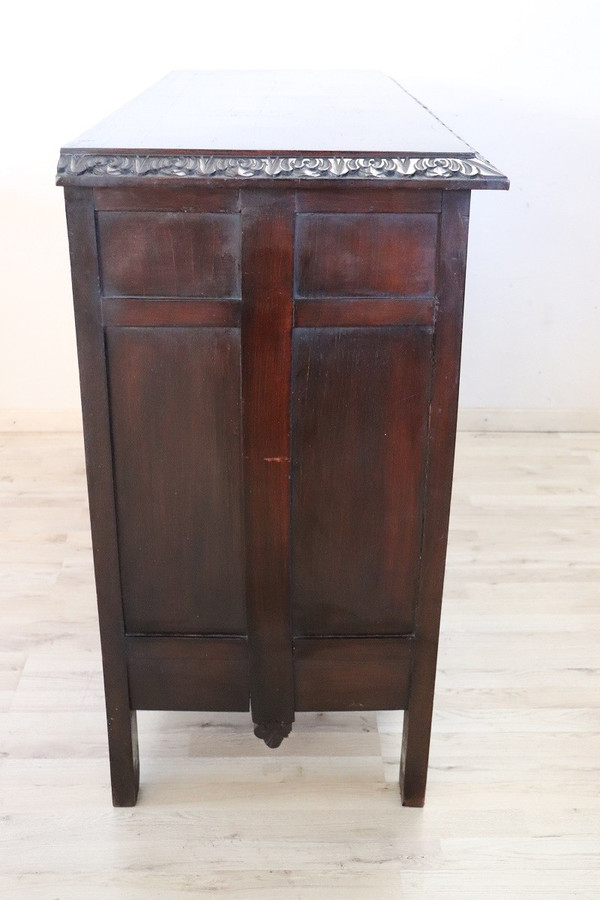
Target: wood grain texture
188 673
199 198
363 311
121 719
267 269
178 489
369 199
365 255
169 254
133 311
444 403
360 403
351 673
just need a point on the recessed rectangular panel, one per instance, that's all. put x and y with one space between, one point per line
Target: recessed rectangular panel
188 673
175 418
352 673
169 254
359 430
365 255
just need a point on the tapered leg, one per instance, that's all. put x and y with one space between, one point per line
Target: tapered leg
442 434
124 757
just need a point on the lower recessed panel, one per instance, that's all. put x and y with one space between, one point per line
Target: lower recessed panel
188 673
352 673
175 419
359 438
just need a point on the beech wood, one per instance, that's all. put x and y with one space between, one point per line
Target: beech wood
121 718
267 272
188 672
160 254
352 673
440 462
369 199
201 198
269 375
134 311
359 431
363 311
358 254
176 431
260 112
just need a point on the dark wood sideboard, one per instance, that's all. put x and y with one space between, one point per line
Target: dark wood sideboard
268 274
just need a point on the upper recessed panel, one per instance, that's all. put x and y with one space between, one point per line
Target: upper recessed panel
371 255
269 112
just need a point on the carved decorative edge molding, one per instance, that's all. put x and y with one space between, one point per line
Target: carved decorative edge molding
311 167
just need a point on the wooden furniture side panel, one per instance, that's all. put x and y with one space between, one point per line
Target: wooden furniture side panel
169 254
365 255
176 426
359 426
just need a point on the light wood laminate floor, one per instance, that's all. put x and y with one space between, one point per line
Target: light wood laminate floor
513 805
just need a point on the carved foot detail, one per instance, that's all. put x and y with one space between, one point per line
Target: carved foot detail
272 733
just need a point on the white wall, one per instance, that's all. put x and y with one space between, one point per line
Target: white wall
519 81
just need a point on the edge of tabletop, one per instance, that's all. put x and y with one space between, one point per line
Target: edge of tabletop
102 167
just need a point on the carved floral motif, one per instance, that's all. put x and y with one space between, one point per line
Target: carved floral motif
74 164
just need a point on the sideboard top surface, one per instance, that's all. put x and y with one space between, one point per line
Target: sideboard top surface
275 112
275 124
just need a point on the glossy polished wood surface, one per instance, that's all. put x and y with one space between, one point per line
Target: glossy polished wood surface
167 254
178 489
281 463
183 673
267 273
360 409
269 355
357 255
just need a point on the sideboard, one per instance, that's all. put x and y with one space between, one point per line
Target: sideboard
268 274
